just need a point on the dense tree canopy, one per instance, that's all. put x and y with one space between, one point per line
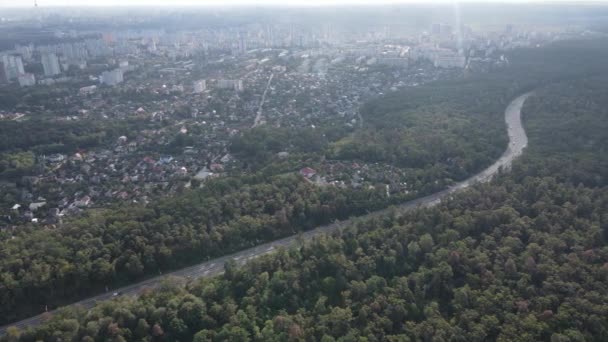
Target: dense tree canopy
456 126
501 261
524 258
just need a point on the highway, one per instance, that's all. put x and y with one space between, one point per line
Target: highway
517 142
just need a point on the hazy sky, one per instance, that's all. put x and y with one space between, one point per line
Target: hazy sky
28 3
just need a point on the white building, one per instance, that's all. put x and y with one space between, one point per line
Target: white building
231 84
87 90
13 66
112 77
200 86
50 63
3 77
25 50
27 80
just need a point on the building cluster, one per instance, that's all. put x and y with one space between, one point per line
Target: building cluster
387 178
127 170
194 91
443 45
55 60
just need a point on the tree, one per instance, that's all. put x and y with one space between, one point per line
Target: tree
143 328
426 243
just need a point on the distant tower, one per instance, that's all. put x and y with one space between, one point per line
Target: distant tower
36 3
242 43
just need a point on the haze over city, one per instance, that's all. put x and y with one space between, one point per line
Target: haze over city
27 3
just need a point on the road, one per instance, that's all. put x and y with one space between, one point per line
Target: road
258 117
517 142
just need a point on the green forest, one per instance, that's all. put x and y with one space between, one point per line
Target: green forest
455 126
521 258
524 258
115 246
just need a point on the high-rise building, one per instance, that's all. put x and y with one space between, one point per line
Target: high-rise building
238 85
270 36
242 48
25 50
18 64
3 78
12 66
200 86
152 46
27 80
436 29
50 64
112 77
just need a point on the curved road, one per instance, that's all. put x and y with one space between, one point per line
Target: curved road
517 142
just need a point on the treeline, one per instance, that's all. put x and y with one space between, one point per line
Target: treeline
581 128
47 135
457 126
523 258
13 98
257 147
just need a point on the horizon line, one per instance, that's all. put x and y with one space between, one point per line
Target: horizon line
306 4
